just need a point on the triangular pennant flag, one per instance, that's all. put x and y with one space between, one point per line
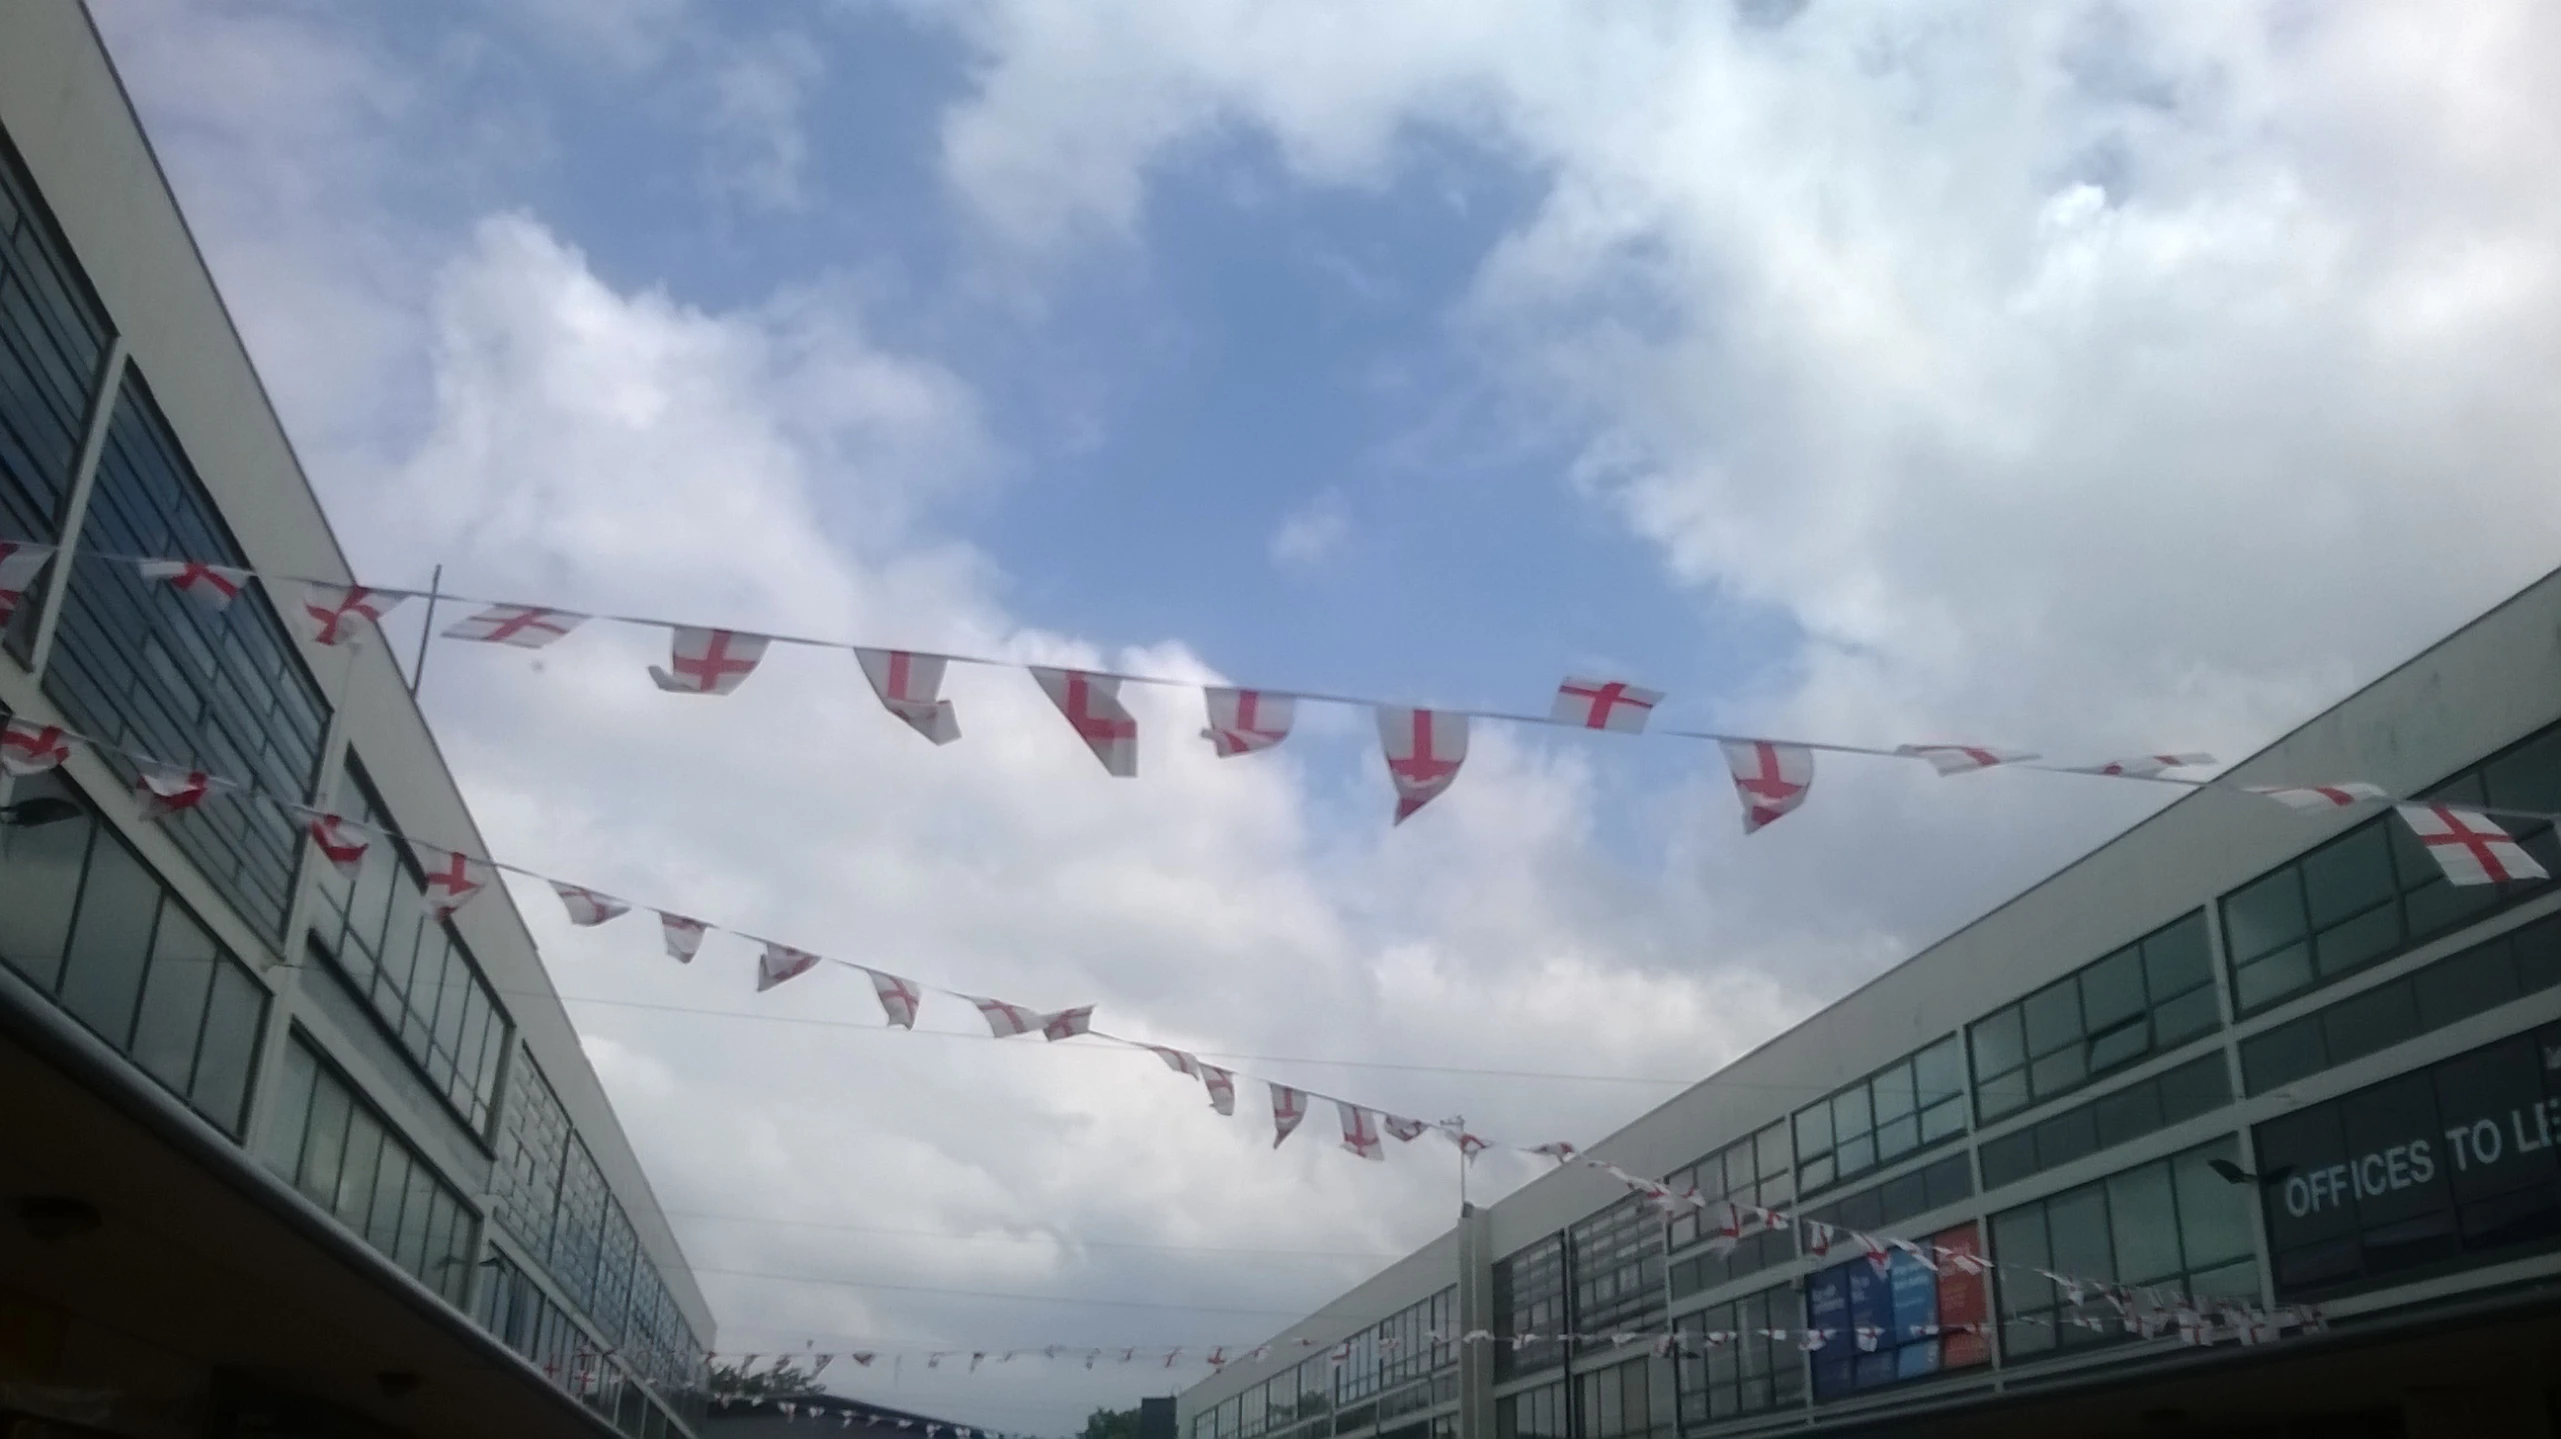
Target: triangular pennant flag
212 586
1289 1106
909 685
1243 721
1360 1131
524 627
1067 1023
1771 778
2314 798
1469 1145
2468 846
781 962
1424 750
709 662
20 563
1176 1060
683 936
585 906
899 998
167 789
2144 766
1005 1020
1612 705
1221 1084
1405 1130
1560 1151
1963 758
1093 709
453 879
340 847
337 614
30 748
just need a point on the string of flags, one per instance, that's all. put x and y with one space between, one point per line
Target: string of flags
1423 748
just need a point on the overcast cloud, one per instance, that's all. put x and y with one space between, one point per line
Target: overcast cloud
2099 377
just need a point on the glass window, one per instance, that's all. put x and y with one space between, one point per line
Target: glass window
281 1146
2170 1227
2136 1002
183 960
111 942
1873 1121
40 869
53 335
324 1149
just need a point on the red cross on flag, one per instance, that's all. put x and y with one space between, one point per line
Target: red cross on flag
1405 1130
1243 721
338 845
525 627
1289 1106
1093 709
899 998
585 906
1818 1237
683 936
1809 1340
166 789
20 563
1963 758
453 879
1729 1227
1360 1131
1868 1337
1771 778
1179 1061
1222 1087
1560 1151
1005 1020
2314 798
1605 704
2144 766
709 662
1878 1256
336 614
1424 750
2468 846
781 962
908 684
1469 1145
212 586
1067 1023
30 748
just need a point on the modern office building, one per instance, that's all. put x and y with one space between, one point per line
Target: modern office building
2372 1053
281 1153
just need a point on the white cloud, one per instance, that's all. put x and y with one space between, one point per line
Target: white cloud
1313 534
754 114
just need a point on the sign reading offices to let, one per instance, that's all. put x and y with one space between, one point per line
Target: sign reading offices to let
2459 1158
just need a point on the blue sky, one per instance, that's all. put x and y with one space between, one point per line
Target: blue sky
2100 378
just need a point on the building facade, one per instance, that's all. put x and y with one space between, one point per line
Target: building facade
2236 1054
288 1154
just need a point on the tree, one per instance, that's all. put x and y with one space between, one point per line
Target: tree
732 1381
1111 1424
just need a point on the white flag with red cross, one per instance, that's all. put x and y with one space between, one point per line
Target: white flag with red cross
1180 1061
1963 758
899 998
212 586
338 614
168 789
20 563
910 687
1729 1227
709 662
1005 1020
1360 1131
1604 704
1405 1130
1469 1145
1424 750
781 962
524 627
1067 1023
585 906
30 748
1560 1151
683 935
2316 798
1771 778
338 844
2144 766
1093 709
1243 721
1289 1106
452 878
1221 1084
2469 846
1818 1236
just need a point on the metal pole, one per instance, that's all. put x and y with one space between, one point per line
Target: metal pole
426 631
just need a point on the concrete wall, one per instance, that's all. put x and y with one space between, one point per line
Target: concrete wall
66 111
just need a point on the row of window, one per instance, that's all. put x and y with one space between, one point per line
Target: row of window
2144 999
1757 1171
53 334
2465 983
1916 1101
1617 1258
86 922
338 1150
1529 1298
1750 1375
514 1308
2174 1096
2172 1227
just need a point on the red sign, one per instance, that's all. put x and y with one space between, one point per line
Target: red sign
1963 1299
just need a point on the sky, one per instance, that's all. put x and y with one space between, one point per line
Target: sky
2092 377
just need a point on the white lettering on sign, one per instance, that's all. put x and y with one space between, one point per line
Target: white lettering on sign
2363 1177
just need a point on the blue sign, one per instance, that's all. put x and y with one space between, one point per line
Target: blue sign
1827 1306
1891 1306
